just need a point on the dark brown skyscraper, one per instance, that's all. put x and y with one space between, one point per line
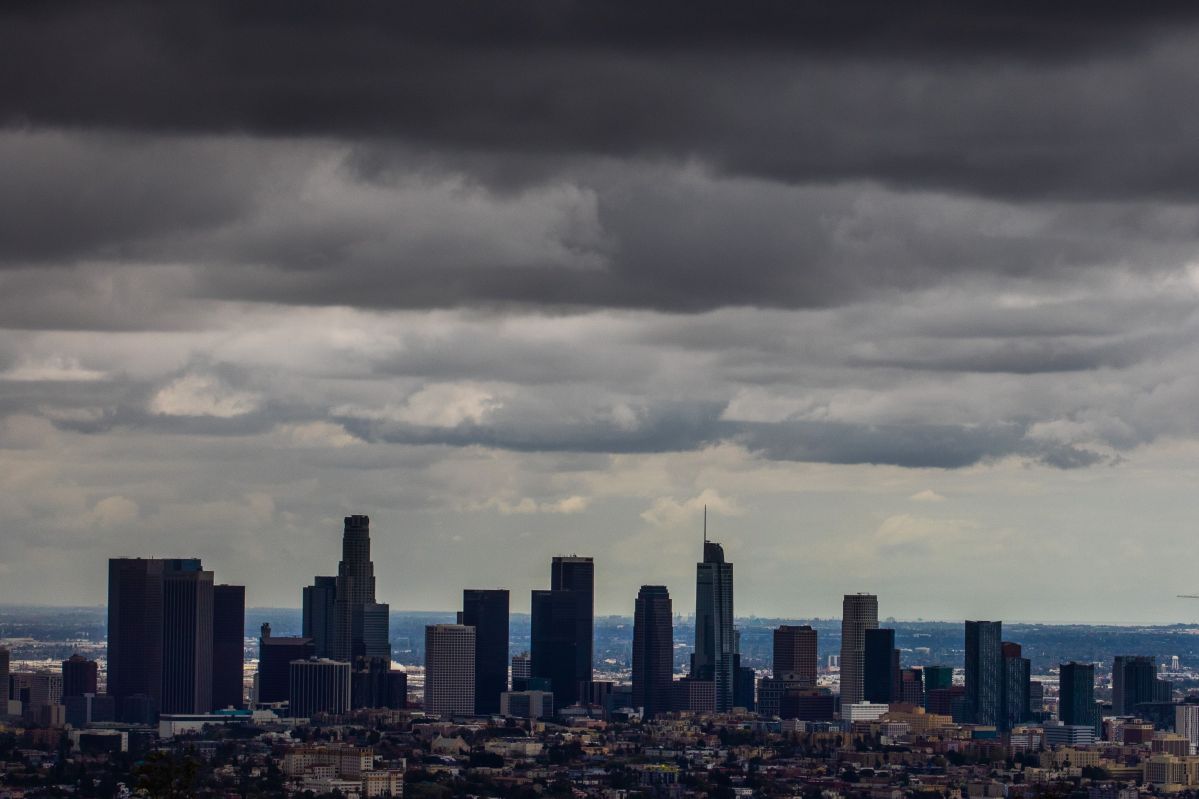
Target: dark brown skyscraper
135 629
228 646
186 639
653 650
78 676
563 628
795 653
487 611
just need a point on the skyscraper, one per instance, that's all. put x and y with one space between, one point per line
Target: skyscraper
563 628
1076 702
984 672
228 646
487 611
135 632
1016 686
186 638
653 650
79 676
715 646
356 628
880 667
795 653
450 669
859 613
1133 682
319 620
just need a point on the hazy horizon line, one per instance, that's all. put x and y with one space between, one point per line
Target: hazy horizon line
889 619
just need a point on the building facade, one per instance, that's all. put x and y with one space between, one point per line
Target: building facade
187 639
450 670
795 654
319 615
984 672
318 685
228 646
859 613
487 611
880 666
653 650
563 628
715 644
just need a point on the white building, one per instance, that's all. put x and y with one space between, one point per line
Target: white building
863 711
450 670
1186 723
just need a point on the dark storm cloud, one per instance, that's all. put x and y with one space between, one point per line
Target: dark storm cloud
296 223
968 96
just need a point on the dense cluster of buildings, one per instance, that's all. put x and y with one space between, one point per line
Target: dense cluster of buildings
503 722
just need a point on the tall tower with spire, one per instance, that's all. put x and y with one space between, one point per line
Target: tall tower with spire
715 644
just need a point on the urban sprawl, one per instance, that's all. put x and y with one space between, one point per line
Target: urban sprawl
168 706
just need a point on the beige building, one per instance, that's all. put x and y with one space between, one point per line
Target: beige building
450 670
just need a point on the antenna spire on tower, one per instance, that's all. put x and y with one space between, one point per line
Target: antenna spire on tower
705 524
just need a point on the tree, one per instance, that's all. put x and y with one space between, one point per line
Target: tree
163 776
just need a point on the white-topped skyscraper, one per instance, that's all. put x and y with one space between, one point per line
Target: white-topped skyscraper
859 613
715 644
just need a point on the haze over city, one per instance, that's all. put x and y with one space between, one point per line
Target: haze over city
912 315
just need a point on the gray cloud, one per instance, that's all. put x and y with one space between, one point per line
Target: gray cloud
940 95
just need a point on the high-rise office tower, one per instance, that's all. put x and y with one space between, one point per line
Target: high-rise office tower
135 633
795 654
318 685
1133 678
450 670
228 646
187 639
715 646
359 627
880 666
859 613
275 655
653 650
984 672
1076 697
487 611
1016 686
79 676
319 620
562 628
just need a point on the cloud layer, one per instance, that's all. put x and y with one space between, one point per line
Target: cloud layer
523 276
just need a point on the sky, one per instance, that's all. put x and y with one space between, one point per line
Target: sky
905 294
